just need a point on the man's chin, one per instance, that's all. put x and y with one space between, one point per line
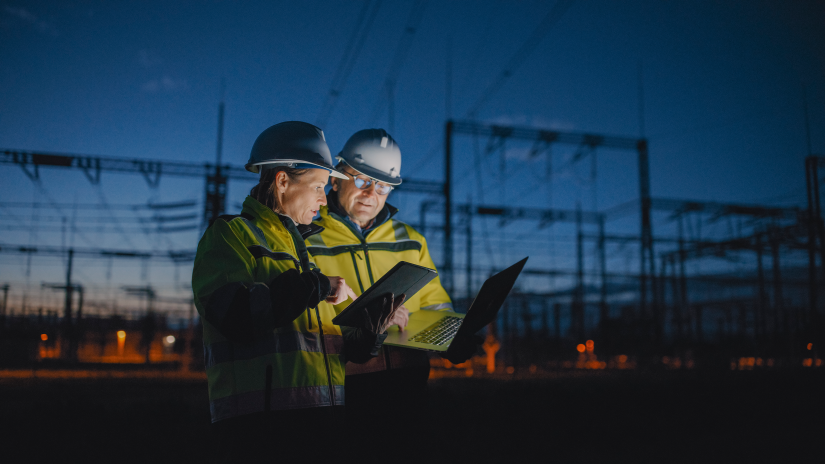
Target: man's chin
364 215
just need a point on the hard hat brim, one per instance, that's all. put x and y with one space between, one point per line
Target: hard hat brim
297 164
373 173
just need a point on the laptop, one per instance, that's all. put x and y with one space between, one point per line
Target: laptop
435 330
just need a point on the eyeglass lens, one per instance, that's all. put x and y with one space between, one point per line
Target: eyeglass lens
381 189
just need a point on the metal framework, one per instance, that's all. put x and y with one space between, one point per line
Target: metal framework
542 140
217 175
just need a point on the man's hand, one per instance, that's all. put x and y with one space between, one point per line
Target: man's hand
384 312
462 349
401 316
339 291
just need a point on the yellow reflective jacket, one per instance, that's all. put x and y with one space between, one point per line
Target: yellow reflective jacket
341 250
261 367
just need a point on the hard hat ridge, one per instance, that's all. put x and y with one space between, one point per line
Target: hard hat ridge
374 153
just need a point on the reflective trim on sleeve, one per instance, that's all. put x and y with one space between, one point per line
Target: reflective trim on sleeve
280 342
331 251
316 240
259 251
405 245
256 231
438 307
400 230
280 399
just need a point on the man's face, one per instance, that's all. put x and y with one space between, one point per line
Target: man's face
360 205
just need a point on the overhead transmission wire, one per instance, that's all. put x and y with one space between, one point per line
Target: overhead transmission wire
115 219
348 59
480 191
553 16
387 92
480 45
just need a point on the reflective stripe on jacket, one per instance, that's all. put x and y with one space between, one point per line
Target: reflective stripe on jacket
340 250
248 252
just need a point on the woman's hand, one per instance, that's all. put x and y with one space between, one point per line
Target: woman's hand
339 291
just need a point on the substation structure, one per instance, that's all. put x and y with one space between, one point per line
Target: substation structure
745 291
71 325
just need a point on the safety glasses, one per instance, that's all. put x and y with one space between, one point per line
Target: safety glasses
363 184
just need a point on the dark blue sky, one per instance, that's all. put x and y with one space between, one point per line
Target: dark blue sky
723 87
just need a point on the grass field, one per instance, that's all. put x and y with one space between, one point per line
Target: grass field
580 416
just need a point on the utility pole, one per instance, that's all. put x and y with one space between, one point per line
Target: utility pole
647 259
469 251
5 301
69 335
578 300
448 202
67 305
815 229
216 181
603 268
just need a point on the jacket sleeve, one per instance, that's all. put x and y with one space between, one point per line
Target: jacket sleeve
433 295
228 297
361 345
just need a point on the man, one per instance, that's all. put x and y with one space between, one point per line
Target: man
361 242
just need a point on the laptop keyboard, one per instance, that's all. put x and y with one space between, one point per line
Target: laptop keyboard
440 332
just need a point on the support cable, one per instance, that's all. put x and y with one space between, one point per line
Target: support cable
348 59
399 58
553 16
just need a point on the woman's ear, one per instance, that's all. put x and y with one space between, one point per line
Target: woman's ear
335 183
281 181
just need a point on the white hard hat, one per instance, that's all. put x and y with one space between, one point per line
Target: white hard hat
373 153
293 144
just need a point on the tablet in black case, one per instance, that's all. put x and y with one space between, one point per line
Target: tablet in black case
406 278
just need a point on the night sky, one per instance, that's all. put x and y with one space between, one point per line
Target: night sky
724 86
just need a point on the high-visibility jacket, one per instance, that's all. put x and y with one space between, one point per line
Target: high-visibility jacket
341 250
240 256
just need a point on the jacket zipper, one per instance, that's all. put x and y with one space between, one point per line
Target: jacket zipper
365 248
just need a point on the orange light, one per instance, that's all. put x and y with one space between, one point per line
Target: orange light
580 348
807 362
121 342
511 369
589 345
810 346
44 337
622 358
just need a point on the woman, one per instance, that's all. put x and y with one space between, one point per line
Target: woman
274 361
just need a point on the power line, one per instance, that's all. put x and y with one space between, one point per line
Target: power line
524 52
399 57
348 59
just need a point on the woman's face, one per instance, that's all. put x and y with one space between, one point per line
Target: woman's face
302 197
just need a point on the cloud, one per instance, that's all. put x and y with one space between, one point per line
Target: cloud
28 17
148 58
164 84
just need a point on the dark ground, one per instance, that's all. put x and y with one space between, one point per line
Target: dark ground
582 416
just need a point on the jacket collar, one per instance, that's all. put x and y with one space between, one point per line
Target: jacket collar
338 213
271 219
